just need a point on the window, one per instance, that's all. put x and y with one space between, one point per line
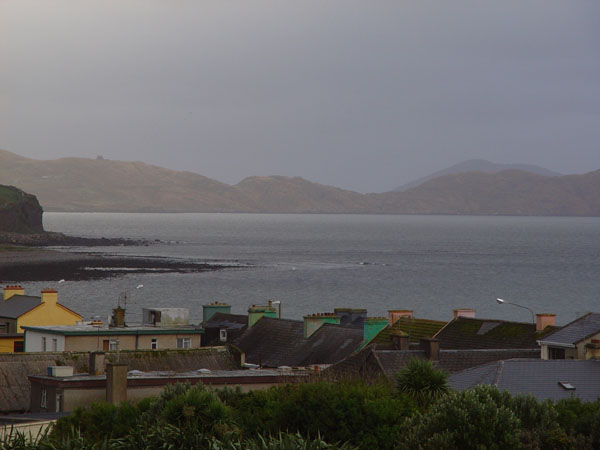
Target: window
154 344
19 346
556 353
43 398
184 343
43 344
54 344
223 335
113 345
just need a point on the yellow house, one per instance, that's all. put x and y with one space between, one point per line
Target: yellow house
18 310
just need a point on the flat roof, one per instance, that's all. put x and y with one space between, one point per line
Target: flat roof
138 378
83 330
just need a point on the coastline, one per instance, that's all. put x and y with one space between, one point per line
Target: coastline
21 264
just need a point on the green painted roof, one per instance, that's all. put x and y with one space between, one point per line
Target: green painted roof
415 328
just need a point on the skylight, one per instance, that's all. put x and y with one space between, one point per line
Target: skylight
566 385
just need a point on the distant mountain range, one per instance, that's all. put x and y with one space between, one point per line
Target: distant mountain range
478 165
80 184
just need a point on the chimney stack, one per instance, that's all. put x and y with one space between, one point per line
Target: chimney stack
118 317
313 322
400 340
116 383
431 347
544 320
396 314
255 313
9 291
464 312
96 363
212 308
372 327
50 296
351 316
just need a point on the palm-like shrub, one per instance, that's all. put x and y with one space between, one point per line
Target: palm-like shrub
420 380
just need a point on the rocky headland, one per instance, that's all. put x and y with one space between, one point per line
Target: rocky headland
22 257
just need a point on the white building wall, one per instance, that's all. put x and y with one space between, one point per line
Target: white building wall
34 341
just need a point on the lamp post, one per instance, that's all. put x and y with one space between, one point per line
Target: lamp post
500 302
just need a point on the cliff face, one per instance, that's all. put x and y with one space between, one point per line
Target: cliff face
19 212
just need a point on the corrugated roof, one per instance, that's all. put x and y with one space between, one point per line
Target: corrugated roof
576 331
415 328
18 305
280 342
537 377
472 333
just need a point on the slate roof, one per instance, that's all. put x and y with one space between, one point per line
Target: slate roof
392 361
228 321
413 327
329 344
280 342
372 361
18 305
537 377
576 331
472 333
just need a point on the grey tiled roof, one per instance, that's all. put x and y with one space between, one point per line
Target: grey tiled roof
392 361
280 342
537 377
576 331
329 344
372 360
18 305
471 333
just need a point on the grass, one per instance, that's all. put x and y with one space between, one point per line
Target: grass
14 248
8 195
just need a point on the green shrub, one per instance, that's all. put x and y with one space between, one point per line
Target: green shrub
363 415
98 423
467 420
422 381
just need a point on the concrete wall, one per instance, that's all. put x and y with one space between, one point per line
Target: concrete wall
34 342
75 397
31 430
129 342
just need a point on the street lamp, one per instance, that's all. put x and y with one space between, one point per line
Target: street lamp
500 302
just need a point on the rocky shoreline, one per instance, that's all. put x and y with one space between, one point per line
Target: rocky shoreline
29 264
23 258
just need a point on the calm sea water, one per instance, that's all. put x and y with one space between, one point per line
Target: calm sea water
313 263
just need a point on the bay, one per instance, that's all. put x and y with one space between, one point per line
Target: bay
314 263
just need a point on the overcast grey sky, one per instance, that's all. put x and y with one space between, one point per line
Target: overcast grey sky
364 95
